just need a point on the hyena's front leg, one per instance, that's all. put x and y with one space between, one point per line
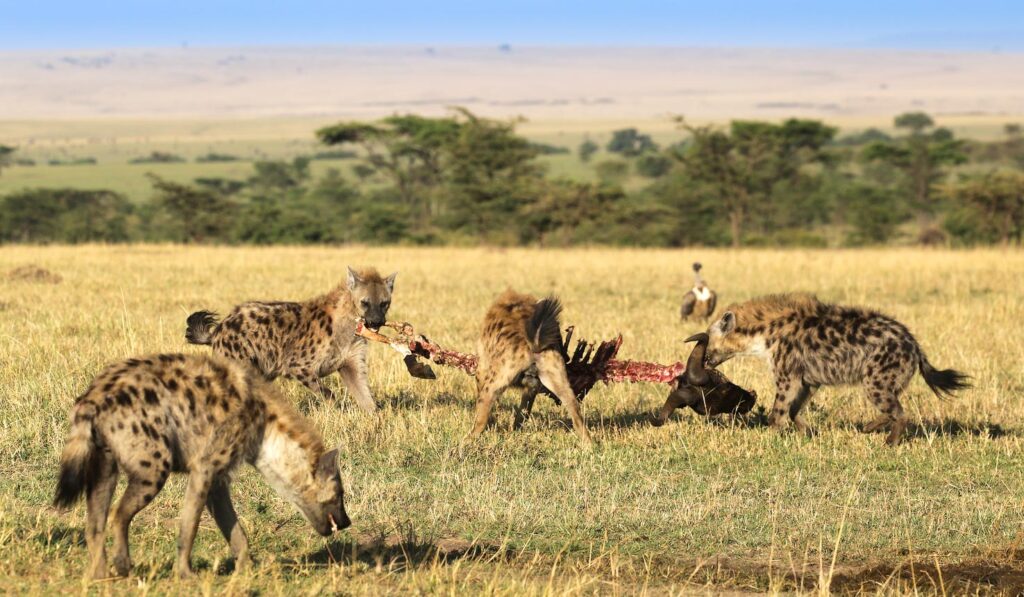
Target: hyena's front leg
199 480
98 506
551 370
223 512
791 394
354 374
315 384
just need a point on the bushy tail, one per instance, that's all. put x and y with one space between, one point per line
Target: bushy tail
543 329
200 327
944 382
79 460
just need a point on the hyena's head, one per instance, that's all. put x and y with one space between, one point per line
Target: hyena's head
726 341
371 295
323 502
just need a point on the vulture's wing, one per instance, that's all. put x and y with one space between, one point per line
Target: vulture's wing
712 301
689 300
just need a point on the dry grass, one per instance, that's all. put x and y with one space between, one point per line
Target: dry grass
691 506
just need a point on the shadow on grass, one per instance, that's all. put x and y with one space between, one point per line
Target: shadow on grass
752 420
949 428
400 552
62 535
405 400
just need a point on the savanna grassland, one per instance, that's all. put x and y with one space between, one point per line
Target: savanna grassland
691 506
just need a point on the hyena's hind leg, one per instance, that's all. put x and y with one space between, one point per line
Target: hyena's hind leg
531 387
491 380
137 495
100 494
218 502
551 370
884 393
791 394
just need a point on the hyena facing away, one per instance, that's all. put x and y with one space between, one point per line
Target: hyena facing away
520 332
810 344
306 341
202 415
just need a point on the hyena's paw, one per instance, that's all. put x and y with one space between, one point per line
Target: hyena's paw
122 565
878 424
896 434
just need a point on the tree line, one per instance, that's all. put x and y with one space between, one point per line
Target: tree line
463 179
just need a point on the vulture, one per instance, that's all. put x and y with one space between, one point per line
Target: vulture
699 302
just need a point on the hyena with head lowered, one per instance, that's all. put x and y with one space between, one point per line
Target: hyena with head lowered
201 415
519 333
306 341
810 344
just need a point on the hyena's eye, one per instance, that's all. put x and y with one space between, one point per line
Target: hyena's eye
365 303
385 305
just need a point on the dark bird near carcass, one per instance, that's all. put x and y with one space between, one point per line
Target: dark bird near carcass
699 302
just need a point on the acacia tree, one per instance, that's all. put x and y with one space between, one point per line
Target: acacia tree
741 167
408 149
997 198
921 155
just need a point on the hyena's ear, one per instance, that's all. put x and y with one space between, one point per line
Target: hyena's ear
390 281
327 466
727 323
353 278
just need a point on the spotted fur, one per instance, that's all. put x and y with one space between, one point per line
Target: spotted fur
195 414
521 340
306 341
811 344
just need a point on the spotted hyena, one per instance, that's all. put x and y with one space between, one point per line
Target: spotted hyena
200 415
521 333
305 341
810 344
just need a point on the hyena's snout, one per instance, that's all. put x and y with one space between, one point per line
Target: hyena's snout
375 317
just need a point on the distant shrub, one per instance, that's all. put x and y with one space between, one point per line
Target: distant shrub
652 165
72 162
546 149
335 154
24 162
64 215
586 150
630 142
158 157
217 157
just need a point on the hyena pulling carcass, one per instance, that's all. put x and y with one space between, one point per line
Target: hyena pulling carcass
519 333
202 415
810 344
305 341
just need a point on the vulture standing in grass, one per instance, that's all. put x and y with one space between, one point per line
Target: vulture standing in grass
699 302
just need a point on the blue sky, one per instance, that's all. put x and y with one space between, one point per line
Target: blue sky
937 24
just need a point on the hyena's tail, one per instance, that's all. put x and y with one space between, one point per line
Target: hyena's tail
80 459
201 325
943 382
543 329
